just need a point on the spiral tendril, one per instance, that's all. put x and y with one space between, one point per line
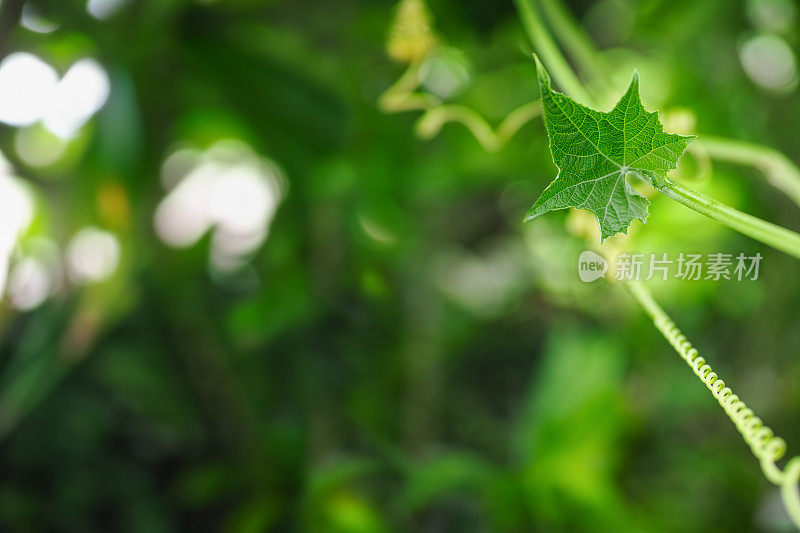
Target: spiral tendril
765 445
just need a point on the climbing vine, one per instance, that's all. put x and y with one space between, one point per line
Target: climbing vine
607 170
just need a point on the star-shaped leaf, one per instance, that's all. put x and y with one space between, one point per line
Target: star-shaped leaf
597 152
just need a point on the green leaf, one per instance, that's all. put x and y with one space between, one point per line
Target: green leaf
597 152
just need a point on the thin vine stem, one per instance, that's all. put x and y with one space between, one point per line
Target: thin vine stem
779 170
490 139
573 38
401 96
548 50
404 95
765 445
776 236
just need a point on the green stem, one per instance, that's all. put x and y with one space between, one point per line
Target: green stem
548 50
433 119
780 171
401 96
431 122
760 230
518 118
767 447
572 37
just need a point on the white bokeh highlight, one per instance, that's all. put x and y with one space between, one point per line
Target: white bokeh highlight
16 214
102 9
31 91
227 190
26 86
31 20
76 97
36 273
770 63
29 284
92 255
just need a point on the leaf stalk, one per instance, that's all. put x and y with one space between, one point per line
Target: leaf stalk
770 234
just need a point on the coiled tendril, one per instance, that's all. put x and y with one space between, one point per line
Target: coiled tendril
766 446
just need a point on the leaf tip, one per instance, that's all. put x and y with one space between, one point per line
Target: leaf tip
687 140
530 215
544 77
634 86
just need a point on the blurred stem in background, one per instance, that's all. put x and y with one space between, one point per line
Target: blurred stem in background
778 169
492 140
572 37
10 13
47 353
401 97
548 50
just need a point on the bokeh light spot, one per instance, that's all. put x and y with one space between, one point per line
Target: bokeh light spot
770 63
92 255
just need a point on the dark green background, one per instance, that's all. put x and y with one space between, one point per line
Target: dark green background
456 376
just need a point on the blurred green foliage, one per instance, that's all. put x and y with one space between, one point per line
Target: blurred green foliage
401 354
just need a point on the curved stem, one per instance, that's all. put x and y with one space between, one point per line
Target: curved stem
705 166
404 96
492 140
433 119
401 96
780 171
767 447
548 50
760 230
518 118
